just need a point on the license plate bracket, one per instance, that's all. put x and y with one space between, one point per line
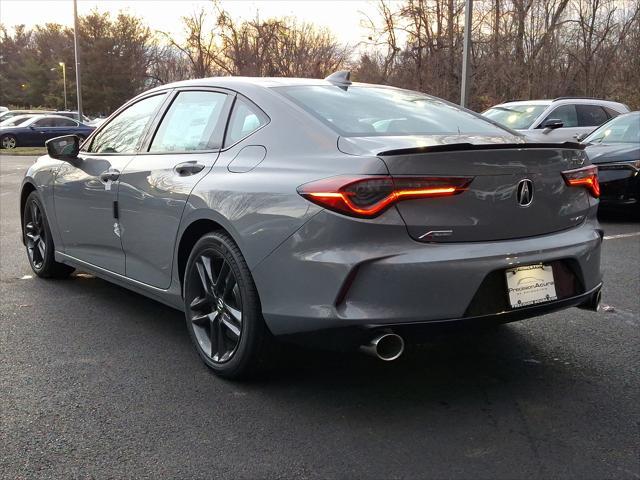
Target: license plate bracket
530 285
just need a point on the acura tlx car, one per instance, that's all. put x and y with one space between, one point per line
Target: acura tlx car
276 208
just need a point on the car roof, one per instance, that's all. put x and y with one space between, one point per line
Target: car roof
250 84
563 101
525 102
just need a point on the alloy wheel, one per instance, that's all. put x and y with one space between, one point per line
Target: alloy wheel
9 142
35 235
215 306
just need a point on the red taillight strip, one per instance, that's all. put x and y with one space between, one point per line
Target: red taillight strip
586 177
340 200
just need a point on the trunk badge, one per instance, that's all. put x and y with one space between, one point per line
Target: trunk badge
525 192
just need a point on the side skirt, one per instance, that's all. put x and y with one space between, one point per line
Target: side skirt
168 297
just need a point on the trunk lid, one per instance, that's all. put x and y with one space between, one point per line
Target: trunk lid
491 208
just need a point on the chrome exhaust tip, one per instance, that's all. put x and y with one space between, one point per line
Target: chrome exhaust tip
593 303
385 346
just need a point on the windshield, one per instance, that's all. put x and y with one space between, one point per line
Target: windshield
515 116
15 121
380 111
622 129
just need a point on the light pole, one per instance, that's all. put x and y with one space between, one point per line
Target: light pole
64 82
466 55
77 55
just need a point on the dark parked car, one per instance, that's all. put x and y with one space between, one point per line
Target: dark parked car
321 210
37 130
615 149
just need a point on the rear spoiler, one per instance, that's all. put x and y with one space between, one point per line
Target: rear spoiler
457 147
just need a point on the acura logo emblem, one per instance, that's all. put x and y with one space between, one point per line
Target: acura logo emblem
525 192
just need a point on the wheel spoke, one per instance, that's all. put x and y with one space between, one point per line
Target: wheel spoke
202 273
204 319
229 283
199 303
41 248
34 214
224 271
233 312
213 338
231 326
220 335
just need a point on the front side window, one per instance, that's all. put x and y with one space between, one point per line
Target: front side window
245 119
192 123
591 115
519 116
383 111
566 114
123 134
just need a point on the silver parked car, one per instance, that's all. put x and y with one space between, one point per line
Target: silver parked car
564 119
307 209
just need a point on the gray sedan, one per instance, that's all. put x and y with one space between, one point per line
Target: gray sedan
354 215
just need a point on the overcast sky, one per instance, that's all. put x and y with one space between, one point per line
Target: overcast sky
344 17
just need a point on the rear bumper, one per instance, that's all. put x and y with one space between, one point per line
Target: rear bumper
340 273
349 338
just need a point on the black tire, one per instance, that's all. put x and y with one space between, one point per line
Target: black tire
39 242
222 309
8 142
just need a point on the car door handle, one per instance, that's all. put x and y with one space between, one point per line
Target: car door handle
112 175
188 168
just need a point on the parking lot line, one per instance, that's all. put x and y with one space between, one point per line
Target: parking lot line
621 235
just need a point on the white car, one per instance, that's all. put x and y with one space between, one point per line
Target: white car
560 120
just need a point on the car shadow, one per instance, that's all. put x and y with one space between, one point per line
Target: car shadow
452 366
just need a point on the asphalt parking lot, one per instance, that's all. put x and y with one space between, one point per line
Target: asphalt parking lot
96 381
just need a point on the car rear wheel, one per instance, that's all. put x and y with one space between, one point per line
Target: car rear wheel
39 242
9 142
222 308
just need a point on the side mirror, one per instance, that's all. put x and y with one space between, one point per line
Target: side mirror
553 123
581 137
64 148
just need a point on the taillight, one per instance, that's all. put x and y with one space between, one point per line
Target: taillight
586 177
369 196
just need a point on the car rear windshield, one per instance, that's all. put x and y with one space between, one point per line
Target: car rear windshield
380 111
623 129
515 116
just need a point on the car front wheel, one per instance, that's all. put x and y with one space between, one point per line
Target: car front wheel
222 308
39 242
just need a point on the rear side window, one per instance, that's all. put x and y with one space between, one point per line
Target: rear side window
123 134
44 122
65 122
591 115
380 111
245 119
611 112
192 123
566 113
